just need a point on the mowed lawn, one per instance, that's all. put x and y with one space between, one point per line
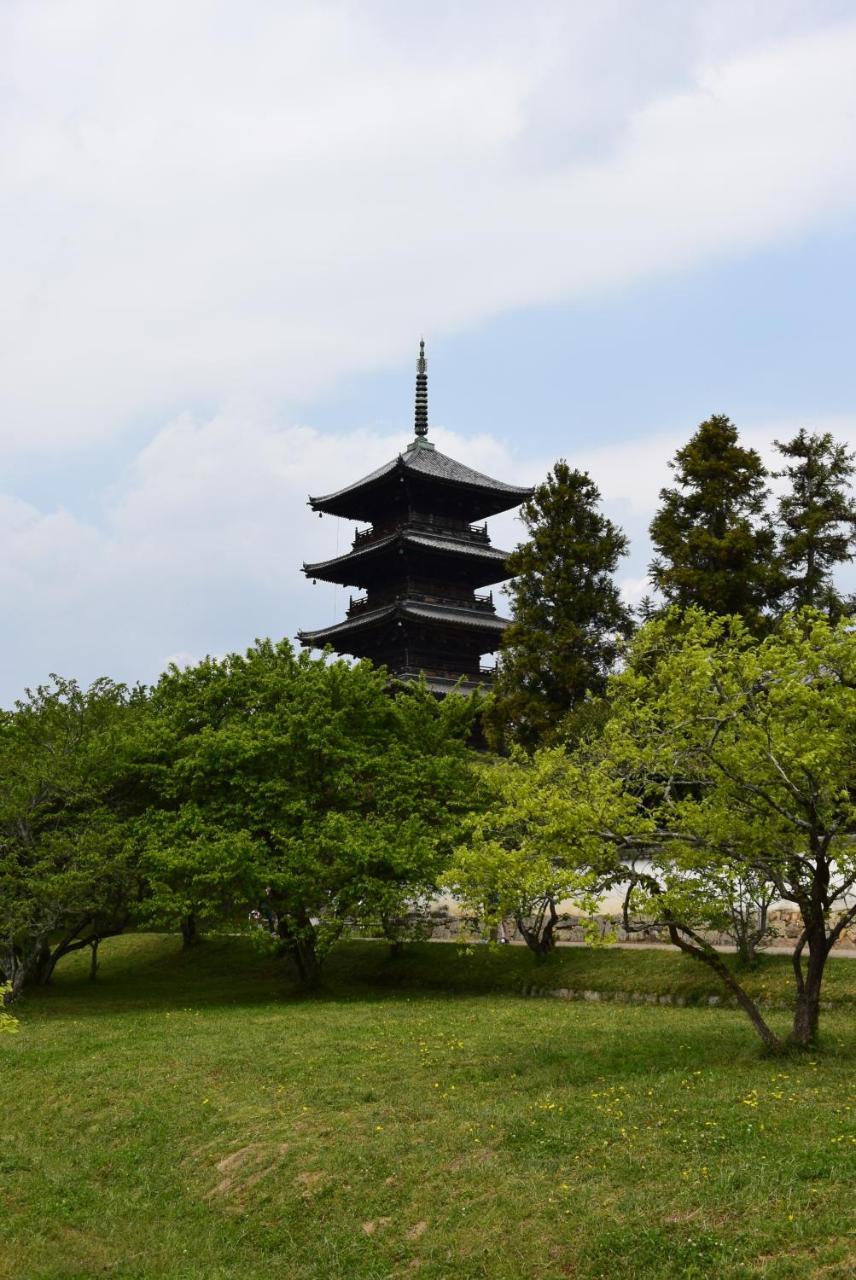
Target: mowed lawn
191 1115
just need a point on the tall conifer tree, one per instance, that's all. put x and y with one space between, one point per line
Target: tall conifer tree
716 547
568 614
816 519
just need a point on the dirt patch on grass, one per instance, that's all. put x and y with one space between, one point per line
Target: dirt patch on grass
469 1159
374 1224
243 1169
310 1182
708 1219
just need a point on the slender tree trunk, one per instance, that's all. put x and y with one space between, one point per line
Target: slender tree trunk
391 928
189 932
807 1007
702 951
42 966
93 958
299 940
306 959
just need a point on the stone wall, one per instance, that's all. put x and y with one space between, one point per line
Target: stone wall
445 922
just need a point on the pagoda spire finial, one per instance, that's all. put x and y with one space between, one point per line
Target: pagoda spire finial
421 391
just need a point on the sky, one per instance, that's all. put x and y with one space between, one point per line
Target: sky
225 227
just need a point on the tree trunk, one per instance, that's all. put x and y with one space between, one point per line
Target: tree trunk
807 1007
42 967
391 927
306 959
540 939
189 932
93 958
706 953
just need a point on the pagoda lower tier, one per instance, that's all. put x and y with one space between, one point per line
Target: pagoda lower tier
442 638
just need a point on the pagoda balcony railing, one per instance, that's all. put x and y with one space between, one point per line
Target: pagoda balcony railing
438 673
483 603
424 524
449 529
362 536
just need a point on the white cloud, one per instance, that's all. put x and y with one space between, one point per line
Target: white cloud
213 206
211 210
199 552
201 549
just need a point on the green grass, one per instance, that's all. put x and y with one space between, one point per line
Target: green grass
191 1115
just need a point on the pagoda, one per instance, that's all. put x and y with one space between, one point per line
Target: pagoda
420 561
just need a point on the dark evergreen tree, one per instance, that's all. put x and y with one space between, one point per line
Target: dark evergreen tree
816 519
568 614
716 546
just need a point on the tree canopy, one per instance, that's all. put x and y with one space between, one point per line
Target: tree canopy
741 756
68 871
816 520
568 616
715 544
515 860
726 766
302 783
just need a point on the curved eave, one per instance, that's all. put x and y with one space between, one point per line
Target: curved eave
490 623
348 569
490 496
325 501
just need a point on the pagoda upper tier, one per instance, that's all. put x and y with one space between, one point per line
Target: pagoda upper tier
420 562
419 481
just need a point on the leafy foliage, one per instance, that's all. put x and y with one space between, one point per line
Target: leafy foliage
741 756
715 545
568 614
302 782
723 778
515 859
817 519
68 875
8 1022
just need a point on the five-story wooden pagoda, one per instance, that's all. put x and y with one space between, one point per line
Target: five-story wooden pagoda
420 561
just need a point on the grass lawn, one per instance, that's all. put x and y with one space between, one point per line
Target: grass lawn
192 1116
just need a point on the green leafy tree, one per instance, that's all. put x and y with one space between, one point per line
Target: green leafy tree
568 617
516 860
313 791
68 874
195 872
816 520
739 757
716 548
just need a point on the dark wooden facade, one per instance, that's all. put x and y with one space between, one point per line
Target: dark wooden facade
422 562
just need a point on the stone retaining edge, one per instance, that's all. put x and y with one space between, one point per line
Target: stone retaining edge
643 997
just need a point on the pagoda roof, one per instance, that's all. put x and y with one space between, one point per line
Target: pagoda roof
421 458
431 541
478 619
